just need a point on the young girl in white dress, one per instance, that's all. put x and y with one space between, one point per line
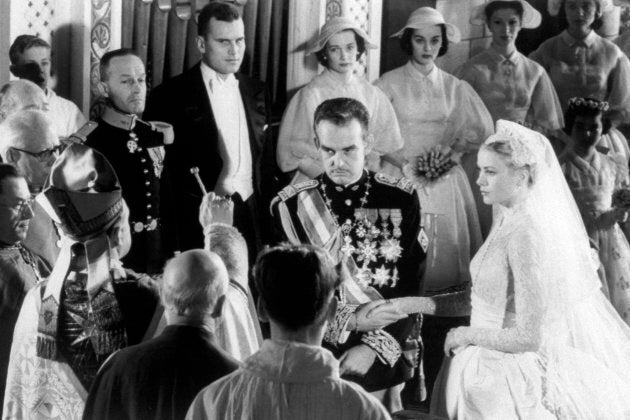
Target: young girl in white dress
593 177
512 86
543 341
340 44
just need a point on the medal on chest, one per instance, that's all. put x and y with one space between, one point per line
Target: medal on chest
371 237
132 143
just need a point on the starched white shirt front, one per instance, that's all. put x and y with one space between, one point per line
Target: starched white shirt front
229 115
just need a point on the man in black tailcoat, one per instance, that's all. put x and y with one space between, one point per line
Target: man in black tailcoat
220 119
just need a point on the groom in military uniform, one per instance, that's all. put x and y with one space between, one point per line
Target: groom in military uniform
369 221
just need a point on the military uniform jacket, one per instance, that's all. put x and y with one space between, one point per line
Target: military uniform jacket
136 155
376 221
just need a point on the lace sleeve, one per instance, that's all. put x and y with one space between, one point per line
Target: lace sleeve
525 260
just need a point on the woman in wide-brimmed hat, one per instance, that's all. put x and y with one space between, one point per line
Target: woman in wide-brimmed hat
582 63
512 86
341 42
436 110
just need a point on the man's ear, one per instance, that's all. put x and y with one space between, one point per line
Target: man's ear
316 141
262 313
201 44
368 140
218 307
103 89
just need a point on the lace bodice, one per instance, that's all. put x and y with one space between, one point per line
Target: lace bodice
506 276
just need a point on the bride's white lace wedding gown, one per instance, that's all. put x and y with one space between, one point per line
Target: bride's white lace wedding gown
548 344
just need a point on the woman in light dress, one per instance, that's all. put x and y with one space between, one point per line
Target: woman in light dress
543 341
582 63
340 44
512 86
437 110
593 177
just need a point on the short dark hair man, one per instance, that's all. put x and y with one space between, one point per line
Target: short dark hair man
291 376
135 150
219 116
20 269
370 220
158 379
30 59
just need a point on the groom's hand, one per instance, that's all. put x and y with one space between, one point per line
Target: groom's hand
357 360
376 315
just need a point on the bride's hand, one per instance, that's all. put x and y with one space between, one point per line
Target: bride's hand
391 306
376 315
455 339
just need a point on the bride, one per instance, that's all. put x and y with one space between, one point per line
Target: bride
543 341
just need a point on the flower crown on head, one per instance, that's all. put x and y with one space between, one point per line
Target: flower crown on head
593 104
527 146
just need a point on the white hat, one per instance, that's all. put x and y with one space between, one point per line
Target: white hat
428 16
531 17
553 6
336 25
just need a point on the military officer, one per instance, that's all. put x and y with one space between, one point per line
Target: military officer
370 221
135 150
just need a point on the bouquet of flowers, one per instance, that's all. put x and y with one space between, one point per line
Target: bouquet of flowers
431 165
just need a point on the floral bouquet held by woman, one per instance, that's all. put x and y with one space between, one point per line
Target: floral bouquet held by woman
431 165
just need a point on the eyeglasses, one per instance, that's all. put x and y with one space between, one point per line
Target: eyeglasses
13 154
20 207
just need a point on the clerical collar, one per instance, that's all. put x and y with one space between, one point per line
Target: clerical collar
119 119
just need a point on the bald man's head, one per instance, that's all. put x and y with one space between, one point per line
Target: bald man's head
19 95
194 284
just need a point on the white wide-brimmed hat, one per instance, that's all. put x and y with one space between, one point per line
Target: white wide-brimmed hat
336 25
553 6
531 17
428 16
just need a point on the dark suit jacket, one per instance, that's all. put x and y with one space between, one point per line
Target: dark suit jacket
159 378
183 102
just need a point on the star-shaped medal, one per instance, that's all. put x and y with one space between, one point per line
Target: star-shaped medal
391 249
367 251
381 276
87 326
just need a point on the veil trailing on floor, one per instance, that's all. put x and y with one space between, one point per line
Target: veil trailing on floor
586 347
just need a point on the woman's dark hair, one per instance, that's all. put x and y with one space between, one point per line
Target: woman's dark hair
574 111
517 6
405 41
321 54
564 23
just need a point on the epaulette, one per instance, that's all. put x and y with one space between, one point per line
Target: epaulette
291 190
82 134
401 183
